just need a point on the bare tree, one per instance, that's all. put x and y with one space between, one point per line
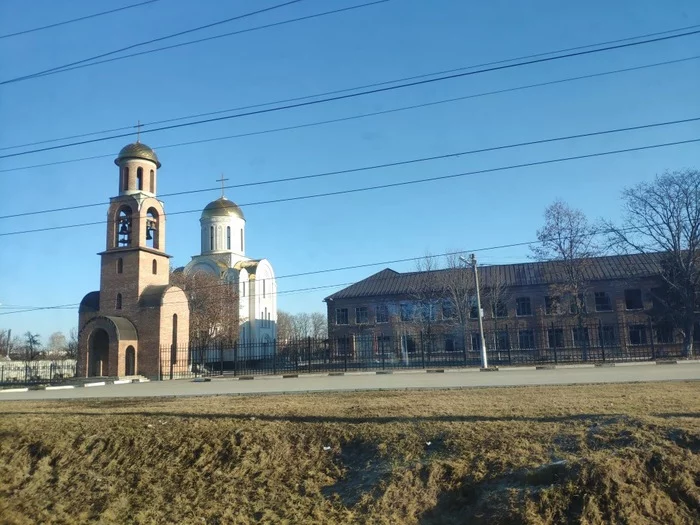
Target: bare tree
319 325
213 306
301 325
285 331
426 296
31 349
57 344
497 294
5 342
459 291
664 216
72 344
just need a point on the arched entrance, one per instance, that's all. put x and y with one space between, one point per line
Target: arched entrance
98 361
130 361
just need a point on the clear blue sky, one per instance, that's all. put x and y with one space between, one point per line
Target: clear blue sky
392 40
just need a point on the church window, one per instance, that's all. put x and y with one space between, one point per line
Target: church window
139 178
267 323
125 178
211 238
123 227
153 181
263 288
242 241
155 267
244 289
120 265
152 234
228 237
119 301
173 348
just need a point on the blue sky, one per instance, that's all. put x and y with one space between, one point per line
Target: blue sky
395 39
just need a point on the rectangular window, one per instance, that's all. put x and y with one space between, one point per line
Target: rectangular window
361 315
448 310
428 312
341 316
523 306
638 334
664 333
526 339
473 310
633 299
382 313
408 342
476 342
450 345
580 336
344 344
555 337
577 303
606 335
502 340
383 344
551 305
499 309
602 302
406 312
228 237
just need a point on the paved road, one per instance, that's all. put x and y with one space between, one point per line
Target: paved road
371 381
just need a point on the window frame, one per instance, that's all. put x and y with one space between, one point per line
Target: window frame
365 311
606 295
519 301
627 300
338 312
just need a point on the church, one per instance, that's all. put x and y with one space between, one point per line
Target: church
136 311
222 253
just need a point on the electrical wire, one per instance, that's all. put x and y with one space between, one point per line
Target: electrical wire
376 166
354 95
390 185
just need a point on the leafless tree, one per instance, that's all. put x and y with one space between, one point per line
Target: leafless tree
213 306
285 332
72 344
459 290
31 349
664 216
5 342
57 345
319 325
496 295
301 325
426 297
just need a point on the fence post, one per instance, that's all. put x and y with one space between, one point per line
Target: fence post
274 357
2 374
235 358
602 339
651 340
510 361
345 355
422 349
381 348
308 349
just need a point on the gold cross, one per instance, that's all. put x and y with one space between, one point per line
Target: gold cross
138 131
222 179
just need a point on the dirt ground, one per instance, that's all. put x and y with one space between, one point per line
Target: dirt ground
624 454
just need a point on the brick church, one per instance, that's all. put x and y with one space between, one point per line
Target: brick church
136 311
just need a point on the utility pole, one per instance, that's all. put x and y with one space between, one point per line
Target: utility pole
472 262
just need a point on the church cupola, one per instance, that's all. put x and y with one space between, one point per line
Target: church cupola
138 165
223 227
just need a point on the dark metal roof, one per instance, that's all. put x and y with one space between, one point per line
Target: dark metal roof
152 295
90 303
125 328
390 282
137 150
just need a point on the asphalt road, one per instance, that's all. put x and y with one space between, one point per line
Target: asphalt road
371 381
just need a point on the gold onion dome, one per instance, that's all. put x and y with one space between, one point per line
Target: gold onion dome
137 150
222 207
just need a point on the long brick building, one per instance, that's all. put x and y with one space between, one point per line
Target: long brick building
528 312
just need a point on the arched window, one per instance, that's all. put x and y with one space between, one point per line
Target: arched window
123 227
120 265
211 238
125 178
263 288
119 301
152 230
228 237
139 178
155 267
241 241
153 181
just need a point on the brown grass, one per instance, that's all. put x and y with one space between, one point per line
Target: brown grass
582 454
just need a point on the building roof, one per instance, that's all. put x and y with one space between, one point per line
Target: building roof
137 150
90 303
222 207
389 282
250 265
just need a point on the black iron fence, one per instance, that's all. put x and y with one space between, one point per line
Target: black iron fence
22 373
505 346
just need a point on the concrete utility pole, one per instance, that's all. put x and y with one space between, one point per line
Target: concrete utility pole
472 262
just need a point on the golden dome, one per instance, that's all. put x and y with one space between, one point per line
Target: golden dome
222 207
137 150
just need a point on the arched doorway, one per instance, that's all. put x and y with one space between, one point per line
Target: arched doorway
130 364
98 364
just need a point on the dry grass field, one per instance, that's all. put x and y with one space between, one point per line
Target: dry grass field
624 454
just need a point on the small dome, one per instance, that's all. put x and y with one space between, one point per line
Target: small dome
137 150
222 208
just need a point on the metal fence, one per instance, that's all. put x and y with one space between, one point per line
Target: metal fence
507 346
36 372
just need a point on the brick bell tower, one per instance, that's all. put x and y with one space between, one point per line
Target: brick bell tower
136 312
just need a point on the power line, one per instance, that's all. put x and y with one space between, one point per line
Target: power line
82 63
353 117
352 267
354 95
379 166
344 90
79 19
390 185
147 42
